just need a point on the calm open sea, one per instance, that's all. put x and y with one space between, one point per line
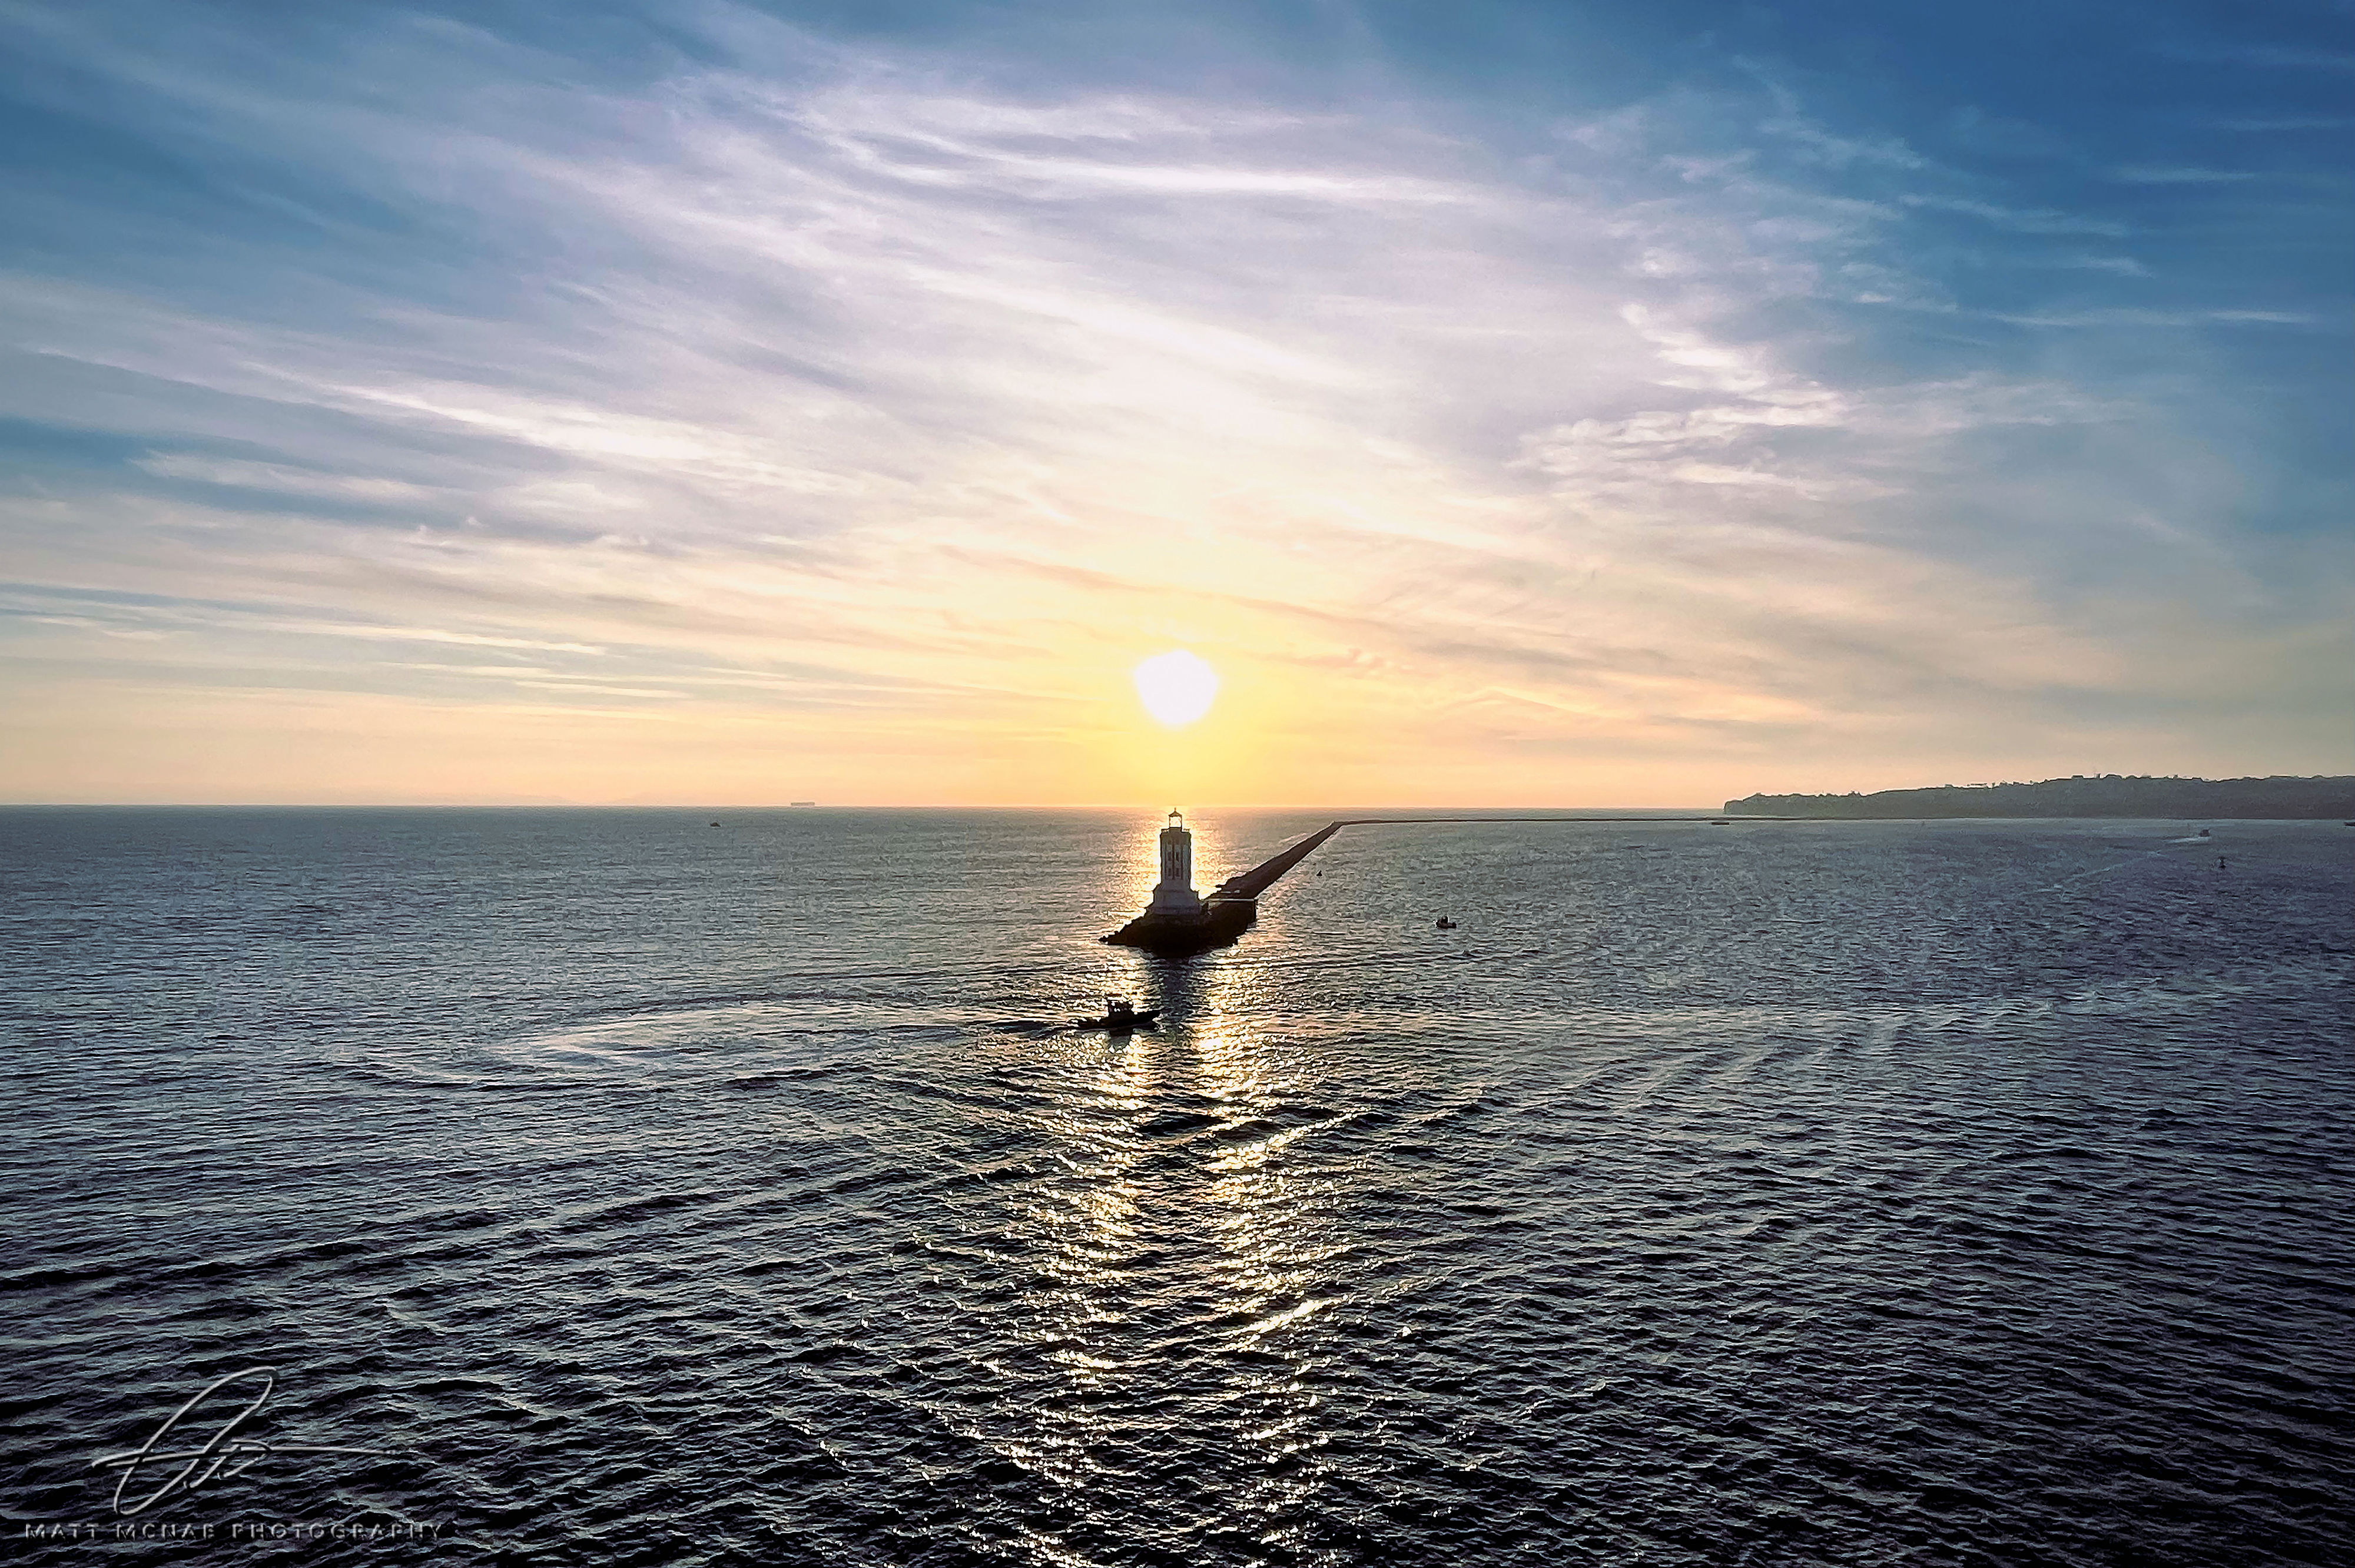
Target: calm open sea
635 1190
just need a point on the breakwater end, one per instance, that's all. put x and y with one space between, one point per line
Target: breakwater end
1178 923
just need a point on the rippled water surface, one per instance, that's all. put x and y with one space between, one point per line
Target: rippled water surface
633 1188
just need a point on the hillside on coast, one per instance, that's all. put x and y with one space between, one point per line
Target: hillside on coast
2105 795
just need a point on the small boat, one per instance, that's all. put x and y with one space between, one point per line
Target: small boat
1119 1020
1120 1016
1446 924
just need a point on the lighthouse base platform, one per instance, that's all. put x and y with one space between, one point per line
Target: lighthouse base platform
1218 924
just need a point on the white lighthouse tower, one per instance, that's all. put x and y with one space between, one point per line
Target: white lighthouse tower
1174 894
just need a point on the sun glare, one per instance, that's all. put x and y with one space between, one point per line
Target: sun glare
1176 686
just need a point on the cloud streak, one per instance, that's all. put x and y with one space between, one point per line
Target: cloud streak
828 403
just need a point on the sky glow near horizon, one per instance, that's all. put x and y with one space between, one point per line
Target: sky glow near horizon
1578 405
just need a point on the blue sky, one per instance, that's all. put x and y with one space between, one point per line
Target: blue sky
1568 403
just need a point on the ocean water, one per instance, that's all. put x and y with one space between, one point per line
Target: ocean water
626 1188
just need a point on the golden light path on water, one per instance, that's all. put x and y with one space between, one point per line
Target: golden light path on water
1178 1245
1279 1258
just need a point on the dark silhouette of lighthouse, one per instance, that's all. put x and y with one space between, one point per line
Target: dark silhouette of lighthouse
1180 920
1174 894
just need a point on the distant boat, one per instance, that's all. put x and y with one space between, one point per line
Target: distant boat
800 803
1446 924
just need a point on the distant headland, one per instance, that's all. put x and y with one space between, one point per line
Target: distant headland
2101 794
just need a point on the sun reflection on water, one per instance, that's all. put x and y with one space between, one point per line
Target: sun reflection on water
1178 1257
1080 1230
1271 1217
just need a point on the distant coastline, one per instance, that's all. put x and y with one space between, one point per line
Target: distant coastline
2106 795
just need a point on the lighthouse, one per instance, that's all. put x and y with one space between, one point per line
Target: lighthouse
1181 921
1174 894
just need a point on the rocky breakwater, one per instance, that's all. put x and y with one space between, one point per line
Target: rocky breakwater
1178 923
1216 924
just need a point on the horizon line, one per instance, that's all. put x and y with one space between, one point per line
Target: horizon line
775 806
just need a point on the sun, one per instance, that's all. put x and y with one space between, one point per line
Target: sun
1176 686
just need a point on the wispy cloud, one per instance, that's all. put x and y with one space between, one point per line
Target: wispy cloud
2167 174
243 474
903 407
2028 221
2129 316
